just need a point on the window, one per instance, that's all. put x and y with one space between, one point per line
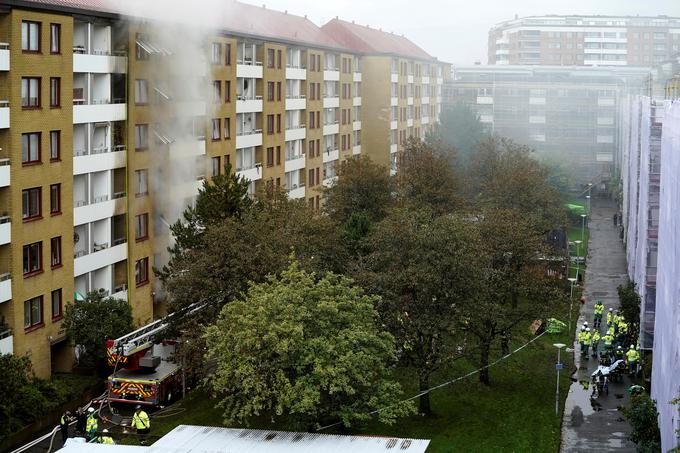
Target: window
55 199
141 182
55 92
141 92
142 271
217 91
270 124
55 38
311 120
227 91
57 305
32 259
30 203
278 123
279 57
55 252
140 51
141 136
216 53
30 92
55 146
270 91
278 155
33 313
141 227
270 58
215 164
311 148
278 91
270 157
311 178
216 128
227 128
227 54
30 36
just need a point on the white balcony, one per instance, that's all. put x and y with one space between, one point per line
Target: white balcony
4 115
4 172
356 149
99 64
98 113
394 124
409 122
331 76
394 78
394 101
356 125
6 342
356 101
5 287
296 133
4 56
105 256
100 208
330 129
249 105
484 100
356 77
247 140
409 101
425 100
251 174
99 160
121 294
331 102
5 230
330 156
328 182
425 120
249 71
296 103
409 79
183 150
296 73
394 148
425 80
296 163
296 192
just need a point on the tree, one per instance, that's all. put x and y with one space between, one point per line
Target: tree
308 348
421 267
459 127
630 307
90 322
643 418
362 187
504 175
426 178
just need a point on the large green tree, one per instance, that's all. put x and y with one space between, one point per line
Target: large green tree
459 126
422 266
90 322
305 347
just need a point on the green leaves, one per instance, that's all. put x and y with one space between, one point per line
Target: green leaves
304 347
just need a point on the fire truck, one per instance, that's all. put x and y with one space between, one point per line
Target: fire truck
145 370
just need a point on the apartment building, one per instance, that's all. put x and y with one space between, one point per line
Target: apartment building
584 40
110 123
569 115
402 86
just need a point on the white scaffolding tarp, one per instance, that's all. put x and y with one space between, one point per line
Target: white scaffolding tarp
640 250
633 187
666 364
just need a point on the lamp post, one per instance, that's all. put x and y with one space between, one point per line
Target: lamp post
588 204
558 367
572 280
583 225
578 257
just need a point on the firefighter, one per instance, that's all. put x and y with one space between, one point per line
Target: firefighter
617 318
105 438
610 317
623 330
595 342
140 421
91 424
618 354
585 343
608 341
632 358
63 425
598 309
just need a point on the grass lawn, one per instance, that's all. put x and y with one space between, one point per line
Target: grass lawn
516 413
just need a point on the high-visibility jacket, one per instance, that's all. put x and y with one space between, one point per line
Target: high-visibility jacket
91 424
599 309
106 440
623 327
608 339
632 355
617 318
610 331
596 337
581 335
610 317
586 337
141 420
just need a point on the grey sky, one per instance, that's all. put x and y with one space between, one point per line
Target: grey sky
456 30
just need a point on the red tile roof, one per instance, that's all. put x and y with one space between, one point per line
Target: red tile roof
104 6
370 40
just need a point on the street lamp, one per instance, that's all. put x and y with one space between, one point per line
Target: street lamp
583 225
558 367
572 280
588 204
578 257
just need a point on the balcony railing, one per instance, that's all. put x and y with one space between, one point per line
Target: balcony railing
296 66
118 241
295 186
295 126
296 156
249 62
4 103
251 132
117 195
81 101
4 46
5 219
295 96
257 165
5 276
331 95
240 97
331 123
4 161
5 333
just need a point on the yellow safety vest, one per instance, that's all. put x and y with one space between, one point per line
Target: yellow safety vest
596 337
610 317
632 355
608 340
141 420
91 424
106 440
599 308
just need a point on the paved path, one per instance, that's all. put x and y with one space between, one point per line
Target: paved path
597 425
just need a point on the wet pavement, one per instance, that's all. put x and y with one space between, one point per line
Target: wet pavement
597 424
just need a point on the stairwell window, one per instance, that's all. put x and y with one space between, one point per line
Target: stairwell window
57 305
30 92
33 313
55 252
216 129
216 53
141 92
227 54
215 166
55 38
30 36
141 227
55 199
32 259
141 182
55 146
217 91
141 136
142 272
227 128
270 58
55 92
30 203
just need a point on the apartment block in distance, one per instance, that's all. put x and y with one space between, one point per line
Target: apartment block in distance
584 40
110 123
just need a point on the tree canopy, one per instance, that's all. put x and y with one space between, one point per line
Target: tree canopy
460 128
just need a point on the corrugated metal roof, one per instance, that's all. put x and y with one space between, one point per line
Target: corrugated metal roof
206 439
228 440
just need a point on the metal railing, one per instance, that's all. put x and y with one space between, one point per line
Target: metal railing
4 161
118 241
4 46
297 156
4 103
296 186
249 62
117 195
5 333
5 219
120 288
296 66
251 132
295 96
257 165
5 276
295 126
241 97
